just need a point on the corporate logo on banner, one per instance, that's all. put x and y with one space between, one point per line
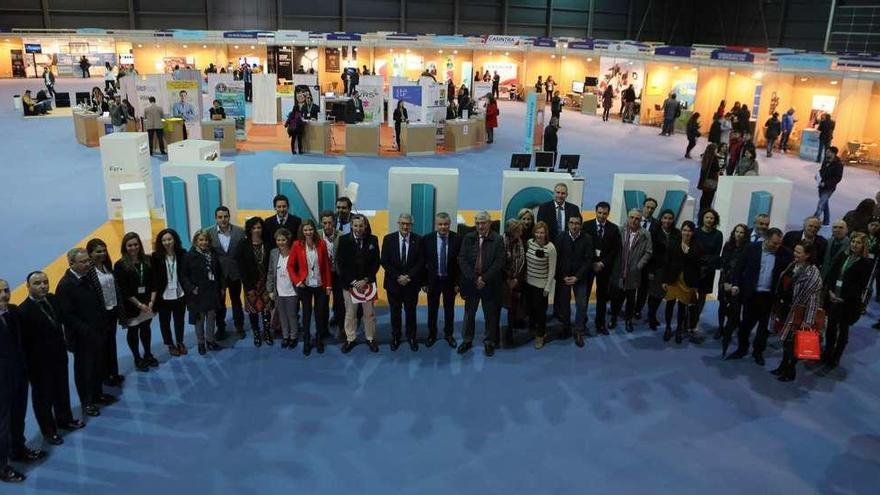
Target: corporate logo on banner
729 55
408 94
531 110
33 48
343 37
501 40
581 45
673 51
402 37
545 42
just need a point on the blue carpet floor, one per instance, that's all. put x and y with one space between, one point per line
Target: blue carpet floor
627 414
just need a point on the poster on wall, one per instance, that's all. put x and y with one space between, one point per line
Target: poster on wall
231 96
619 73
305 58
215 80
370 90
331 59
481 89
411 95
822 104
304 89
506 71
185 100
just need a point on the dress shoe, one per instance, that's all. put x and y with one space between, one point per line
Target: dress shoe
115 380
10 475
75 424
759 359
202 349
667 335
489 349
257 340
213 346
679 335
629 326
240 333
285 343
637 315
182 348
292 343
602 330
307 348
395 344
28 455
340 336
464 347
107 399
173 351
612 324
430 341
654 324
413 345
539 341
55 439
220 334
141 365
579 339
717 334
451 341
151 361
374 347
320 347
347 347
737 354
332 321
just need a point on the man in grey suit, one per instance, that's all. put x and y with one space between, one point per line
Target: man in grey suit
153 116
481 262
635 251
226 239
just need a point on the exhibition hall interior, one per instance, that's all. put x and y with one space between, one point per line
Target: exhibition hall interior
652 226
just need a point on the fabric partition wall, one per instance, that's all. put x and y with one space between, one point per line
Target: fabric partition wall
370 90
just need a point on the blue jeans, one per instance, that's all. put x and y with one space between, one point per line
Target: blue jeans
822 147
668 126
562 303
823 206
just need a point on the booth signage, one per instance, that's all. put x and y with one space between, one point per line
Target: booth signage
408 94
673 51
343 37
622 46
856 60
581 45
545 42
732 55
805 61
292 36
502 40
33 48
249 35
402 37
91 31
529 120
449 40
187 34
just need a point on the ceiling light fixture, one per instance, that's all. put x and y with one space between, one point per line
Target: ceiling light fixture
833 82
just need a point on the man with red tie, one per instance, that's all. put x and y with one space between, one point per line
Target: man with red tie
481 261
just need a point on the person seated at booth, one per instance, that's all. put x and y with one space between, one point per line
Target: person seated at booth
33 107
99 103
217 111
452 112
354 109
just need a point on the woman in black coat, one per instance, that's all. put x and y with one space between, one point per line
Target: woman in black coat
729 305
710 240
692 130
846 284
662 240
203 280
253 263
400 116
681 277
167 260
138 287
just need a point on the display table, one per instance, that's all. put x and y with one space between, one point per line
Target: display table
85 126
105 126
809 144
418 138
460 134
173 129
589 103
222 131
362 139
316 138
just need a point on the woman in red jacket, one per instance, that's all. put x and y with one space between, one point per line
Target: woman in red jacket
309 268
491 119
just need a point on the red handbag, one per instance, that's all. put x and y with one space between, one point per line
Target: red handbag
806 345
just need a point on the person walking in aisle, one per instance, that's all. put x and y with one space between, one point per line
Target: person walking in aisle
202 277
400 117
309 269
787 125
84 65
607 102
491 119
826 134
671 111
109 77
830 174
496 83
556 106
153 115
112 298
772 130
692 130
137 283
551 139
710 169
49 81
296 127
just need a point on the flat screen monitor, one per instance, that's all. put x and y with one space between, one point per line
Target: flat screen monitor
544 160
591 82
569 162
521 161
577 87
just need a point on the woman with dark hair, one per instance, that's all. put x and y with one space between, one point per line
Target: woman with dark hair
513 278
662 242
400 117
97 250
845 284
281 290
253 262
167 261
296 127
138 286
729 305
491 118
309 269
681 276
857 220
747 165
708 181
710 240
798 295
692 130
203 279
607 101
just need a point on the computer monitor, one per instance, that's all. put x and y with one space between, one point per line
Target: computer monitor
521 161
569 162
577 87
591 82
544 160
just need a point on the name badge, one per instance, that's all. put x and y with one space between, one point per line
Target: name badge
211 276
839 284
142 290
598 253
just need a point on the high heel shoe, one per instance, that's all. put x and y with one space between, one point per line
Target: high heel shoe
667 335
267 337
257 341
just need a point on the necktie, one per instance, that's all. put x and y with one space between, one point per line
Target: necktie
403 252
479 265
560 217
601 230
442 263
360 243
47 310
645 223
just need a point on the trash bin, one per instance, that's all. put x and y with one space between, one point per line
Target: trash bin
16 102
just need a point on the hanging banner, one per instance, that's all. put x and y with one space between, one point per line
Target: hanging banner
805 61
732 55
231 97
581 45
528 144
185 101
544 42
673 51
502 40
343 37
370 90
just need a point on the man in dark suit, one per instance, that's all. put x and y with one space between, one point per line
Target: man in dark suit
606 249
226 239
557 212
481 262
810 233
762 265
46 356
358 263
343 215
13 392
354 109
281 218
402 261
82 313
574 259
650 224
331 236
440 255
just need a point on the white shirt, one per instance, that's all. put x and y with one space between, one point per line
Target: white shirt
172 290
225 238
329 244
283 284
108 288
313 279
404 241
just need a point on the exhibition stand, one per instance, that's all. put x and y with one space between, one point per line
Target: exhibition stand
418 138
362 139
460 134
193 150
222 131
316 138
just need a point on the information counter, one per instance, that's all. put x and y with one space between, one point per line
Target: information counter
222 131
460 134
418 138
173 129
317 136
362 139
479 122
85 126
